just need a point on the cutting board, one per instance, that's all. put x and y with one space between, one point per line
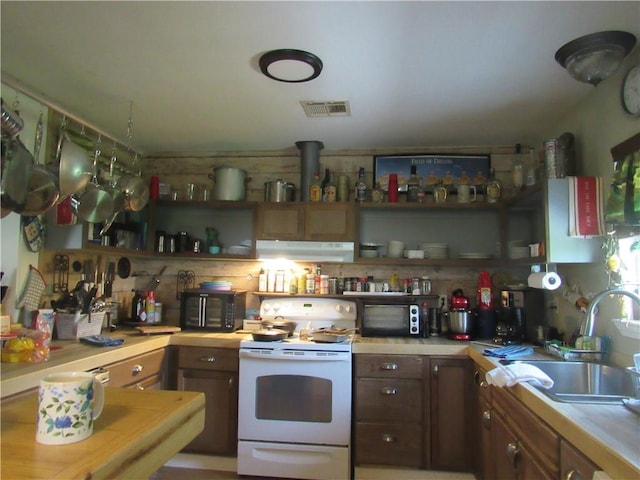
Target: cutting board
151 329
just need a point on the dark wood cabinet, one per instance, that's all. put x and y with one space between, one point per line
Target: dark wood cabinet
389 411
483 466
306 221
451 413
512 458
513 442
213 371
573 464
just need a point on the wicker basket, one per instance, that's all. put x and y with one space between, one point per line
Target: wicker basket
71 326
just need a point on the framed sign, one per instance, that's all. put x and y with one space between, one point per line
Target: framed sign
447 169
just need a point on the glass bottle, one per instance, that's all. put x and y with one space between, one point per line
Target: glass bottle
361 187
331 189
315 189
518 174
493 188
325 183
413 186
532 167
377 195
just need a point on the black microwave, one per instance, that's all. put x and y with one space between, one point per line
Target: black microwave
391 320
212 310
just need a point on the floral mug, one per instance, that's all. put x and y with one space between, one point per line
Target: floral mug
68 404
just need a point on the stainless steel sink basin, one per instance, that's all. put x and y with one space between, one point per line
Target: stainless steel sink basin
581 382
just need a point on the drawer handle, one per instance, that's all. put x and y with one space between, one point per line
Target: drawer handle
209 359
476 377
484 384
486 418
387 438
436 370
573 475
137 369
513 452
389 366
388 391
139 387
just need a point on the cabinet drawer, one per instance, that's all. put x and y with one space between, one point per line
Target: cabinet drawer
388 366
388 444
207 358
393 399
539 439
136 369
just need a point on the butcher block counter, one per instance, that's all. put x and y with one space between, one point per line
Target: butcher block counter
137 432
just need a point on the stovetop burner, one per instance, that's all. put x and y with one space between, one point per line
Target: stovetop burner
309 314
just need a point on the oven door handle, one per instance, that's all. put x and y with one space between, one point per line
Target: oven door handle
279 355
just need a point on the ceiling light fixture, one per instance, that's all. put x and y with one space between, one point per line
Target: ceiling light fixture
291 66
592 58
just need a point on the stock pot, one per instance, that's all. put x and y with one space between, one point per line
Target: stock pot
230 183
279 190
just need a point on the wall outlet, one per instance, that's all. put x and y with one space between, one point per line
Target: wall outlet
443 301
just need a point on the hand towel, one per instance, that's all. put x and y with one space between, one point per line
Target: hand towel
509 375
102 341
512 351
586 212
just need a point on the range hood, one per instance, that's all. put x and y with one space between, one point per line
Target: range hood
305 251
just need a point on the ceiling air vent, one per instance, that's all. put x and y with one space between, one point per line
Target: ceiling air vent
326 109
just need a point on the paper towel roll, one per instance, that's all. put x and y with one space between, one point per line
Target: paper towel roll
545 280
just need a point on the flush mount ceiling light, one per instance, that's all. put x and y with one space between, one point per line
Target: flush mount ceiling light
592 58
291 66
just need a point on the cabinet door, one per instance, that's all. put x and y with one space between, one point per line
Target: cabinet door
451 413
280 221
573 464
329 222
512 461
483 467
388 444
388 400
220 434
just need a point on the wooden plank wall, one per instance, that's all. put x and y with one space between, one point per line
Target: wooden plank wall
179 169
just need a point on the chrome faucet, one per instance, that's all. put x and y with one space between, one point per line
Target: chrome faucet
588 325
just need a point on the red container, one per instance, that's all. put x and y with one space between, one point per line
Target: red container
154 188
392 195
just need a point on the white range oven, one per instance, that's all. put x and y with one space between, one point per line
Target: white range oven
294 409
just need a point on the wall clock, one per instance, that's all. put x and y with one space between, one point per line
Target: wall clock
630 91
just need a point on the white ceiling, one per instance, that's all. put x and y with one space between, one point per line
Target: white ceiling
415 73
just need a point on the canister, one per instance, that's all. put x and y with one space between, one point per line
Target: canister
554 158
161 238
342 192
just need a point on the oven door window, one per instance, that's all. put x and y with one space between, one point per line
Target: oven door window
295 398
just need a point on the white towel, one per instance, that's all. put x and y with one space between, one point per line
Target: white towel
509 375
586 213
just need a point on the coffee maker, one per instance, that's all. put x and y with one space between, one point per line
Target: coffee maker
519 315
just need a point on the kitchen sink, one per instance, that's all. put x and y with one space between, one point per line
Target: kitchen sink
582 382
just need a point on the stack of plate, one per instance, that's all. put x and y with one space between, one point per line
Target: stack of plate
474 255
217 285
435 250
518 252
238 250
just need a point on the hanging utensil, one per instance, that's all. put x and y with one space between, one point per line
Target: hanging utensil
60 273
74 164
95 205
12 124
17 164
42 186
135 188
116 194
155 280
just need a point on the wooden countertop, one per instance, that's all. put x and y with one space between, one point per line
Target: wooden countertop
608 434
138 431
